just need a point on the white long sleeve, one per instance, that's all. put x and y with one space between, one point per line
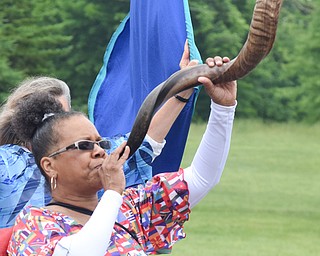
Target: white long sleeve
209 161
94 237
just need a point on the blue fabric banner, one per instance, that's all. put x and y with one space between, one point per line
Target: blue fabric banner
143 52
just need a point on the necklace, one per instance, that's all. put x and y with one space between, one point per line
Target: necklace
73 208
89 212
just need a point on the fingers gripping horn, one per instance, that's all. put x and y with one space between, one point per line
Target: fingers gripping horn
259 43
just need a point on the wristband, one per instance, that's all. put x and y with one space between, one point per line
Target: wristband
184 100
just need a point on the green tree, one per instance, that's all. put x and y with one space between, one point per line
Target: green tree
67 39
32 39
90 25
272 90
8 75
307 55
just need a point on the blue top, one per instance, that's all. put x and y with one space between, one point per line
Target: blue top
143 52
22 184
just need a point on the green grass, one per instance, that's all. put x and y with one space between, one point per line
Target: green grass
268 200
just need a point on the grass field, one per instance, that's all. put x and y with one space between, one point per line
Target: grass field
268 200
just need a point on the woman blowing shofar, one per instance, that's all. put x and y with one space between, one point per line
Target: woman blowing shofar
134 221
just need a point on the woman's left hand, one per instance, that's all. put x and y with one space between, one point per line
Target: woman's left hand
111 172
184 63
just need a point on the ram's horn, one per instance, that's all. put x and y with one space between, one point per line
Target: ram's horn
259 43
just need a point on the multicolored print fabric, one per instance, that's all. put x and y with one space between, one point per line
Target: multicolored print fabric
155 213
22 184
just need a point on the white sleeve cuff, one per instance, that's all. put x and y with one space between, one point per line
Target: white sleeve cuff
156 146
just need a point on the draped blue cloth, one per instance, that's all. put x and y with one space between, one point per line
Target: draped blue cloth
143 52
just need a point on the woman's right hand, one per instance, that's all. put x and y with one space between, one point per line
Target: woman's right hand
224 94
111 172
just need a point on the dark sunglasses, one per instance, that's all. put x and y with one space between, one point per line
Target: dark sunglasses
84 145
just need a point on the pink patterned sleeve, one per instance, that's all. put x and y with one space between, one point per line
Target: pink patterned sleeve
37 232
157 211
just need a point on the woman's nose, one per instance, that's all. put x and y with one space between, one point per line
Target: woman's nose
98 151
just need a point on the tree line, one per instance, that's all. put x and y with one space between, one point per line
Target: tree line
67 39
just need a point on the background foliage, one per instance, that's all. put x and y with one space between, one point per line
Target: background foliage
67 39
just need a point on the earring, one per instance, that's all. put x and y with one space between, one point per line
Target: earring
53 182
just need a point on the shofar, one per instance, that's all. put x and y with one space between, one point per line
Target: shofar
257 46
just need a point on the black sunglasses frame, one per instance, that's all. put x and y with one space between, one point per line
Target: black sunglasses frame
83 145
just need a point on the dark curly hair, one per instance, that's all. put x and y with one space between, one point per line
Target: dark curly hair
23 91
36 122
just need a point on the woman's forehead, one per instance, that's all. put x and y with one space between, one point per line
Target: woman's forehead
77 127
